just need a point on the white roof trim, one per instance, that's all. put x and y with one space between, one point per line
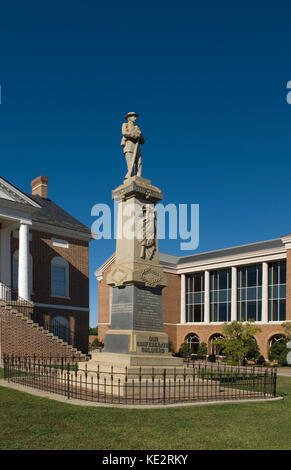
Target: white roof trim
212 263
14 194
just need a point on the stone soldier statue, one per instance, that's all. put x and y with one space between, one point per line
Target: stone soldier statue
132 138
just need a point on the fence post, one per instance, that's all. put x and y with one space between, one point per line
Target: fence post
68 380
275 382
164 390
265 382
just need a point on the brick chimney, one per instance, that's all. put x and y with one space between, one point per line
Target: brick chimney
39 186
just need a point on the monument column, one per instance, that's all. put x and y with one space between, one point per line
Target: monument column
136 336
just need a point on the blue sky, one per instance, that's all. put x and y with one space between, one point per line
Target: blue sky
208 80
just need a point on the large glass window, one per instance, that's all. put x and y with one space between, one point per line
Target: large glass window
249 293
277 291
59 277
220 295
195 297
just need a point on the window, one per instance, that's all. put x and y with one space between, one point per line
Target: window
15 272
195 297
277 291
60 328
220 295
193 342
249 293
215 348
59 277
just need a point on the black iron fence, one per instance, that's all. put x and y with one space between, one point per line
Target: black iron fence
141 386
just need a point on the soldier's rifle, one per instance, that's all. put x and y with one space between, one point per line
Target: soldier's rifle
134 157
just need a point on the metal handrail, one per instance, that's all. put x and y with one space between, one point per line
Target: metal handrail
11 297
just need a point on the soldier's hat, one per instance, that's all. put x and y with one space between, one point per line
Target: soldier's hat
131 114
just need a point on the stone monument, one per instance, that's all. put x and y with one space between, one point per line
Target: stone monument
136 336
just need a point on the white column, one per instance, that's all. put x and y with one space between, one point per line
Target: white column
206 297
5 257
183 300
265 293
233 293
23 262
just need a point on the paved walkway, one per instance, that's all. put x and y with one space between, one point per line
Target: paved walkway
284 371
63 399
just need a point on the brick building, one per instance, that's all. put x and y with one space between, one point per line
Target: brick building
249 282
44 268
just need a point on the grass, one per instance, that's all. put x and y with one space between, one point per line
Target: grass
30 422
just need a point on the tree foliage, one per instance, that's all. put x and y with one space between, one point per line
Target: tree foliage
185 349
278 352
93 331
287 327
237 341
202 349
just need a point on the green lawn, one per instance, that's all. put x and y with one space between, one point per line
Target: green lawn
29 422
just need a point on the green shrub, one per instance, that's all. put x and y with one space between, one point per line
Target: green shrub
253 352
282 360
96 343
93 331
202 349
184 349
277 350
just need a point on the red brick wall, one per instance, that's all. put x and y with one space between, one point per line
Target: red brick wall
18 337
171 296
103 306
43 252
77 255
171 313
205 332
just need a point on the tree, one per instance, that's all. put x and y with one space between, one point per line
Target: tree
93 331
237 339
278 351
202 350
253 352
184 349
96 343
287 327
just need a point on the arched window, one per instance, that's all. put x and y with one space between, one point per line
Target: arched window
15 272
60 328
215 348
193 341
59 277
276 338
